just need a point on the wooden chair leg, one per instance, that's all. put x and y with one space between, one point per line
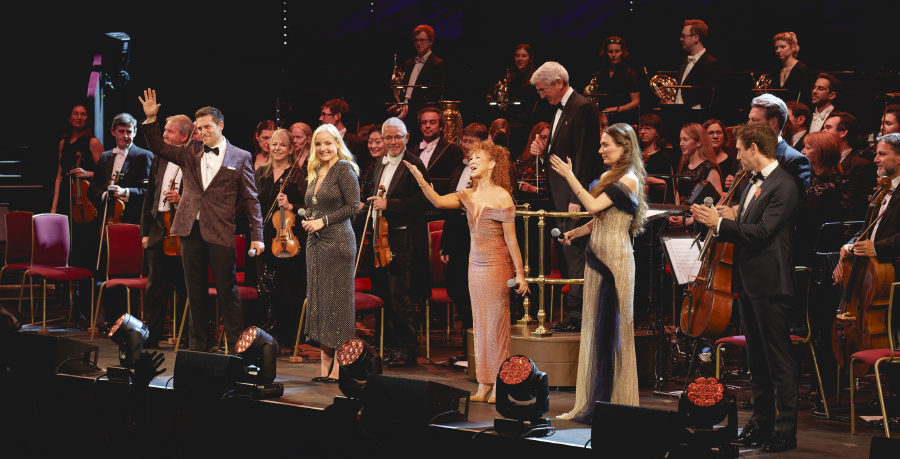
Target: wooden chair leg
174 314
852 401
71 301
887 432
95 315
427 330
43 330
718 361
819 378
448 320
22 292
128 300
296 358
381 336
31 296
187 305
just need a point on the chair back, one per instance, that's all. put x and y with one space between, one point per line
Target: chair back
434 255
51 240
800 312
437 225
18 236
124 252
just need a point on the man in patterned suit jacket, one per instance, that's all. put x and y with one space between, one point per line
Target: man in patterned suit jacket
218 179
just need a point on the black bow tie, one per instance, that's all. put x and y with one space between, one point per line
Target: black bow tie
560 106
757 177
213 150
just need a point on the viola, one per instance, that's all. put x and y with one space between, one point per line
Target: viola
861 322
171 242
119 205
706 310
83 210
284 244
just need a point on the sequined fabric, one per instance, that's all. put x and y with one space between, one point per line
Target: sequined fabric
611 242
330 255
490 266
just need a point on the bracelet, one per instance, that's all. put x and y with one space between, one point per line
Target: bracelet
579 191
423 186
326 220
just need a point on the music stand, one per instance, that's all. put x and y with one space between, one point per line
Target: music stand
832 236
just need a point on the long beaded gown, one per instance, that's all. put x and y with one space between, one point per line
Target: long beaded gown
607 366
490 266
330 253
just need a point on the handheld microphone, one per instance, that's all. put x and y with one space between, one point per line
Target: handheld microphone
708 201
512 283
556 233
301 212
251 253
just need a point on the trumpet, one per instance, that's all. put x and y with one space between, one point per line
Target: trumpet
396 80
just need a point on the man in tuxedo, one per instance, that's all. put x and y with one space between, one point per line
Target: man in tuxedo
772 111
439 156
798 122
824 91
425 69
163 194
699 69
133 164
574 133
762 277
456 240
406 282
858 170
333 113
218 180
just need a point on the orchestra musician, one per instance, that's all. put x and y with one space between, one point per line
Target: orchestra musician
333 112
768 109
163 193
824 91
133 163
261 138
792 74
438 156
763 279
797 126
890 122
718 138
617 80
425 69
858 170
218 180
697 161
699 69
406 282
575 133
655 152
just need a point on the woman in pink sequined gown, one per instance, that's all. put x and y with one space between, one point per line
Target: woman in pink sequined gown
494 257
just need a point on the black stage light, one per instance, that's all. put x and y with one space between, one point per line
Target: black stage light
10 322
702 406
129 333
520 379
258 350
358 360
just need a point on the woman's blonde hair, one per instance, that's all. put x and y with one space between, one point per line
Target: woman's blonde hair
630 161
266 169
342 151
699 134
500 155
791 39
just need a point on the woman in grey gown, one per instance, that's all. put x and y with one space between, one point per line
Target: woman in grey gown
332 199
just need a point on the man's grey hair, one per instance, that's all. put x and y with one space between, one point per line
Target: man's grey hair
182 124
774 108
549 72
395 122
893 141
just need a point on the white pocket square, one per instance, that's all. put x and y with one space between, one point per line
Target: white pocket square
230 168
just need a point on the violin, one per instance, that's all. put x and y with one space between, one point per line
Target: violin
861 322
284 244
706 310
383 254
83 210
118 206
171 243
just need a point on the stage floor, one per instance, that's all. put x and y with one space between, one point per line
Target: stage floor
816 437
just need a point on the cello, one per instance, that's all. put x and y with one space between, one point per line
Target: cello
171 243
706 311
861 322
83 210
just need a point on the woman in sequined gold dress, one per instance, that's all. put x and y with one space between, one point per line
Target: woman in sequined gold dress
282 281
607 368
332 199
491 213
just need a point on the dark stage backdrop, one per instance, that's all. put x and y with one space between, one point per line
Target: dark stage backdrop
240 56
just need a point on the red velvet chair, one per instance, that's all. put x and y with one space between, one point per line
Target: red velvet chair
18 245
876 357
366 302
439 289
437 225
124 265
362 284
50 259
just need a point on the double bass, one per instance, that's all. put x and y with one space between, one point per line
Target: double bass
861 322
83 210
706 311
171 242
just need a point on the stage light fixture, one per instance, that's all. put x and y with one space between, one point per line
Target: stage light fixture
520 379
10 321
258 350
129 333
705 404
357 360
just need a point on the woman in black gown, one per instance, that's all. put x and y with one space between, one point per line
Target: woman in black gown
282 280
792 74
698 162
718 138
618 82
652 136
519 88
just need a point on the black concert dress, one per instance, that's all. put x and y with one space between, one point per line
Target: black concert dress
331 253
658 163
698 174
618 89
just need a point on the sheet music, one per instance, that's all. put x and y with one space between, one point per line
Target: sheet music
650 213
683 257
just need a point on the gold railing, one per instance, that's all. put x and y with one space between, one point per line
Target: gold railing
541 280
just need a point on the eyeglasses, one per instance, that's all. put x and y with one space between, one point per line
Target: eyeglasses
683 36
391 138
715 133
326 114
542 91
420 40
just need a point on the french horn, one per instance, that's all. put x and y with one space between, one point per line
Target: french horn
658 84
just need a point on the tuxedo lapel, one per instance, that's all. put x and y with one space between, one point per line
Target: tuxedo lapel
376 176
562 119
742 211
439 150
891 208
226 162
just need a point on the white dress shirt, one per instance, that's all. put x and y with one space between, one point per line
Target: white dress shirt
465 177
426 149
819 118
563 101
210 165
391 163
414 75
845 154
796 138
172 170
118 164
884 206
687 69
